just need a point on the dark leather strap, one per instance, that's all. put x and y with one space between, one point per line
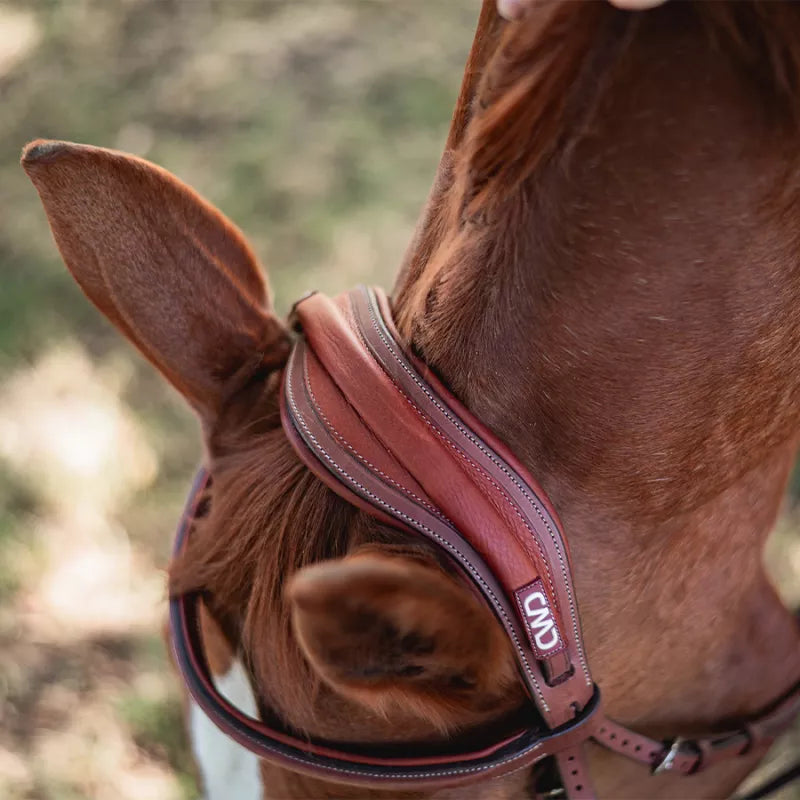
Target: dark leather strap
375 425
688 756
417 767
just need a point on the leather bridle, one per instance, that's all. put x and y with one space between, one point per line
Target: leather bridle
381 431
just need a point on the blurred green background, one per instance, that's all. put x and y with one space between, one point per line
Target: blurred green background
316 125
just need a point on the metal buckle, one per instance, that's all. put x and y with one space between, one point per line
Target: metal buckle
679 746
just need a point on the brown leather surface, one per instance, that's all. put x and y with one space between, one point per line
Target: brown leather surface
574 769
359 401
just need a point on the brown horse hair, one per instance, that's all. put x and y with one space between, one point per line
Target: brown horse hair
524 114
264 522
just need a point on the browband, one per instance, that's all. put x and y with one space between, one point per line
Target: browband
381 431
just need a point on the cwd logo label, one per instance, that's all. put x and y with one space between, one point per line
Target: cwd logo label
540 624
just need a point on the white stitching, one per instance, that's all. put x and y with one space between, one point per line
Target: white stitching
418 524
435 511
459 452
440 435
316 761
466 432
497 463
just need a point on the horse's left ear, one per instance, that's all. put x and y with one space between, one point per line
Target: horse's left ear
167 269
398 635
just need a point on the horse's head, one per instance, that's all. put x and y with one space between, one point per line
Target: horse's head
376 641
606 274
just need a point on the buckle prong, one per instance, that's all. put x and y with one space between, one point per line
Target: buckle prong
679 746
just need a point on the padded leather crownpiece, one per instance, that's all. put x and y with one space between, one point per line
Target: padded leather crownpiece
402 444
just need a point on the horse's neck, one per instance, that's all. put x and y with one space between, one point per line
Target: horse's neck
682 627
633 338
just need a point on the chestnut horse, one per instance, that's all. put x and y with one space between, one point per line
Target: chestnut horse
607 274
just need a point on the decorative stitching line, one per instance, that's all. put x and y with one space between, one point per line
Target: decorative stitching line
461 454
219 720
318 763
442 437
419 525
494 459
435 511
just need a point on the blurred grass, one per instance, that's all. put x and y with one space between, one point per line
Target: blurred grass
157 728
316 126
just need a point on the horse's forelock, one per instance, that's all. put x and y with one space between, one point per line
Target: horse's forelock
269 517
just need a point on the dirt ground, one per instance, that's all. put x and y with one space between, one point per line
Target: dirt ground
316 126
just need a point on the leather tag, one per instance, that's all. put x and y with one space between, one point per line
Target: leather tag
540 622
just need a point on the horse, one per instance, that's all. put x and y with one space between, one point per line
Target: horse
605 274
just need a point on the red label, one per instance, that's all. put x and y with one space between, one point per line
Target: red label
540 622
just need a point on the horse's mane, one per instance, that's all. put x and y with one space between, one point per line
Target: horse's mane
270 516
524 110
539 89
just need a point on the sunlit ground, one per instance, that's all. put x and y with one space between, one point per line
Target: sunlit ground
89 706
316 126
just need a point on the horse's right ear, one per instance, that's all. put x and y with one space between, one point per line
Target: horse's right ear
168 269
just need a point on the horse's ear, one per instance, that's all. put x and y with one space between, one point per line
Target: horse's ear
175 276
399 635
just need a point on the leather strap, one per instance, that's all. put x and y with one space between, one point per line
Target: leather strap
574 769
379 428
402 444
689 756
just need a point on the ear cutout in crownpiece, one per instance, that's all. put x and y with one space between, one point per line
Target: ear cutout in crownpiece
398 635
166 268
